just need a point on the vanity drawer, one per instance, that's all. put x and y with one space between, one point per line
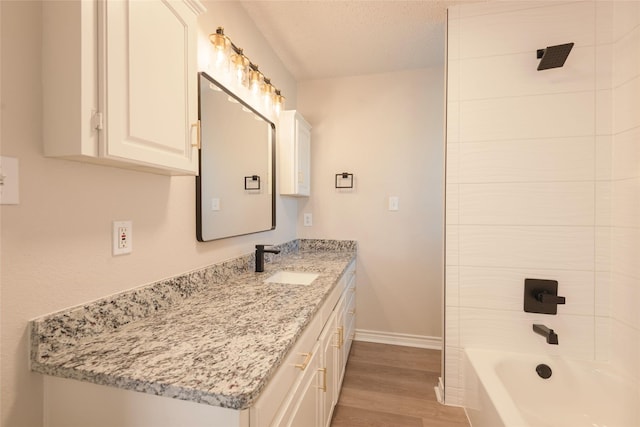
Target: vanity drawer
293 367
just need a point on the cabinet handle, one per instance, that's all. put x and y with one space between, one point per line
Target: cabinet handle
340 338
197 126
302 366
337 344
323 387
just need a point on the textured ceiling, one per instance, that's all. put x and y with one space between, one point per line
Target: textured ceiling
326 38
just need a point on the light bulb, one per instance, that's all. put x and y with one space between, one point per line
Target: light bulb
240 64
220 47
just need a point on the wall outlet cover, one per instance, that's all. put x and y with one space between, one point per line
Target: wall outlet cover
122 237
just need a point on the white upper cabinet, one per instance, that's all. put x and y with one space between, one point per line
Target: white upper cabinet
120 83
295 154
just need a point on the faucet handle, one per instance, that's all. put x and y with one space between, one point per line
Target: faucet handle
547 298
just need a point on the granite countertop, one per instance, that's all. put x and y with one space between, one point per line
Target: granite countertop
219 343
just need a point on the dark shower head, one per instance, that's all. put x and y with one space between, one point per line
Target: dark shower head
553 56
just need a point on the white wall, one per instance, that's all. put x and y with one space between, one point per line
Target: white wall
56 245
531 187
386 129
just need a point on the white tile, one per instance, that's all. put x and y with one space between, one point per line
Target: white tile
626 15
604 112
511 331
625 294
625 199
517 75
627 107
541 116
625 348
625 251
603 339
559 159
603 293
602 259
604 22
544 247
451 292
452 366
452 203
626 154
453 122
452 163
546 203
452 326
626 57
503 289
481 8
603 203
527 30
604 157
452 244
453 80
604 66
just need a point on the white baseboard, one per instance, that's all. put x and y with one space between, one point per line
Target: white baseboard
408 340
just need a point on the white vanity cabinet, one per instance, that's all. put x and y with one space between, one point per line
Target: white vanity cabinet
120 83
295 154
311 400
302 393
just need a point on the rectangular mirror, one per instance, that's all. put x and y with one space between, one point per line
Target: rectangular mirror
235 191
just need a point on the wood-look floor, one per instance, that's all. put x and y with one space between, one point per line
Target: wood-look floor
388 385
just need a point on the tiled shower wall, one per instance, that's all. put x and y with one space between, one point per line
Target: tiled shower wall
542 180
625 190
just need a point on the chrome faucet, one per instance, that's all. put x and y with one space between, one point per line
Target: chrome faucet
552 337
260 251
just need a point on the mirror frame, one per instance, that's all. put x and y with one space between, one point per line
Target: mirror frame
199 176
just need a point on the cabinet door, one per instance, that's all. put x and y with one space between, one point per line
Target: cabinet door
148 83
303 158
330 342
305 410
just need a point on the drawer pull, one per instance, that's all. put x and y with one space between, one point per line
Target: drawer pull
323 387
302 366
339 338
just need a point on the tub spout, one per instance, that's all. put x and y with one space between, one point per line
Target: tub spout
552 337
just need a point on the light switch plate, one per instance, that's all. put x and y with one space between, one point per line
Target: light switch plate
9 194
394 203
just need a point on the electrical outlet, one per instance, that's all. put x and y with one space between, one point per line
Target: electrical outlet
122 237
308 220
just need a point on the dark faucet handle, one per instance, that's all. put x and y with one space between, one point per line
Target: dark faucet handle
547 298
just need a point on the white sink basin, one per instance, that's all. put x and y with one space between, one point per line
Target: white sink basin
292 278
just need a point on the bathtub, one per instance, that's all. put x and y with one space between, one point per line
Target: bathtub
504 389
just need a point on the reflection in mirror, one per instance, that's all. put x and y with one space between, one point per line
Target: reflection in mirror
235 191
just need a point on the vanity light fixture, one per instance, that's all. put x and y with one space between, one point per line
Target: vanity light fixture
344 180
247 74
